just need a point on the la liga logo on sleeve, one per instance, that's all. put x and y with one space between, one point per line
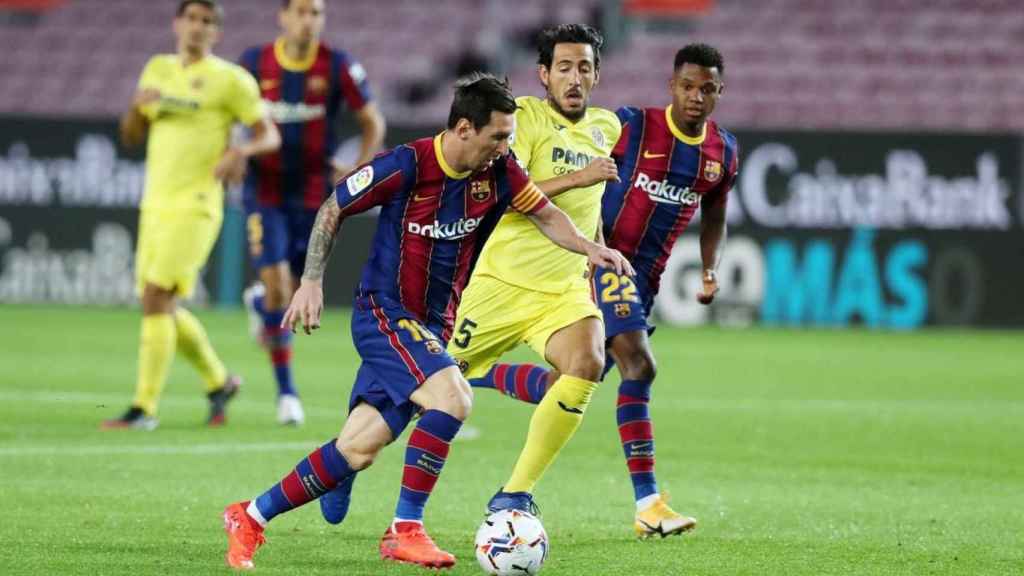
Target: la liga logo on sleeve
360 180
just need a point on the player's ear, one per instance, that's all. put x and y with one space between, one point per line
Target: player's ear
542 73
597 76
464 129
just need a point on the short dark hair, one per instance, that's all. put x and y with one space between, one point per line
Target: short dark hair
567 34
701 55
214 5
476 96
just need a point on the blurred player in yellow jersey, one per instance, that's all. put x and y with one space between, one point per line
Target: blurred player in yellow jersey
187 102
524 289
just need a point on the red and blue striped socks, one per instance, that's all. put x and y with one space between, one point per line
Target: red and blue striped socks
313 477
637 435
279 344
425 456
526 382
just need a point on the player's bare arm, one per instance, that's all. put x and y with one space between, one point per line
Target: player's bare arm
712 238
599 170
557 226
134 125
308 302
264 138
372 125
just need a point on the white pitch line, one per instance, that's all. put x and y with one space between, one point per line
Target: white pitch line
118 400
192 449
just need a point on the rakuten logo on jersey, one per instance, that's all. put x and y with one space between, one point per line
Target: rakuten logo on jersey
665 193
289 113
451 231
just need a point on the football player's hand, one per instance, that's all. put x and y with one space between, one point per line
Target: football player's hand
306 307
609 258
231 167
145 97
709 288
599 170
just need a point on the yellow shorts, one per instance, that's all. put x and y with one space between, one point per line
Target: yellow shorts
495 317
173 248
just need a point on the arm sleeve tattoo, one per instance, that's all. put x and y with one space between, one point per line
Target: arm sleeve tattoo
321 239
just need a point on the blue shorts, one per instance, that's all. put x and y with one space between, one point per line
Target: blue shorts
278 234
623 301
398 354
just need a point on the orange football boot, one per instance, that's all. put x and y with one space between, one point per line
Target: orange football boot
245 535
412 545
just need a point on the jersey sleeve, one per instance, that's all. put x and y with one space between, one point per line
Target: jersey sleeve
149 79
250 60
720 195
526 196
244 101
353 86
522 138
377 181
625 115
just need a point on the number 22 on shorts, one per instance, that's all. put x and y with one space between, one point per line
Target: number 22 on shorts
616 288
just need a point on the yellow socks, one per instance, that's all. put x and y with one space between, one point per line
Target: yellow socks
156 350
196 347
554 422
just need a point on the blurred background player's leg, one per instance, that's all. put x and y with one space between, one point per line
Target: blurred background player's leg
156 350
269 246
172 250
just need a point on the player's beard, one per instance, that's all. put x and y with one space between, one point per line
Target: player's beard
573 116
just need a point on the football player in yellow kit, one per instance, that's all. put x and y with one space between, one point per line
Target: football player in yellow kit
187 102
524 289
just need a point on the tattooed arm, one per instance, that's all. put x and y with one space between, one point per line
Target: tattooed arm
308 302
321 239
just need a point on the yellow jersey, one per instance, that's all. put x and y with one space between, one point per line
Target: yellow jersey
189 128
549 145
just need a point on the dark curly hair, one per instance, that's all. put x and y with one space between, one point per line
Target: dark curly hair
701 55
567 34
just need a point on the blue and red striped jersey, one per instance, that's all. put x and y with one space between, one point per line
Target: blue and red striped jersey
304 98
433 223
664 175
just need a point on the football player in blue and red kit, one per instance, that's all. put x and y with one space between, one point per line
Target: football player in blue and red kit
305 84
440 198
670 161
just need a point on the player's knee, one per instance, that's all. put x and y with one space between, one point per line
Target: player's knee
453 396
638 365
458 401
587 363
276 297
359 457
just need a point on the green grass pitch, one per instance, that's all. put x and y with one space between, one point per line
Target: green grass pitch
800 452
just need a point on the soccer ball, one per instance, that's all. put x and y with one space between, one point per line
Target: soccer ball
511 542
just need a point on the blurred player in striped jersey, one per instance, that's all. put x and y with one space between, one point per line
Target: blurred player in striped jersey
184 108
440 199
305 84
670 161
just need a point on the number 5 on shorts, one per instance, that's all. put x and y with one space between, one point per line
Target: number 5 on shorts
464 334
